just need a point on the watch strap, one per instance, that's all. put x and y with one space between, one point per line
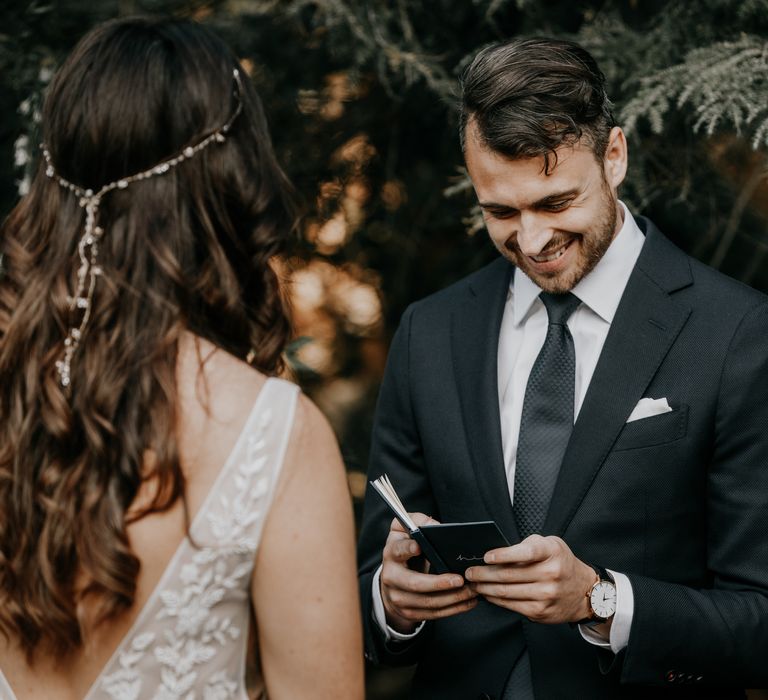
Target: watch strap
603 573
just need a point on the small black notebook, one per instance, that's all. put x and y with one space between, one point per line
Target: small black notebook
449 547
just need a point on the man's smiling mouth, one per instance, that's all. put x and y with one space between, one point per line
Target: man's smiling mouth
549 257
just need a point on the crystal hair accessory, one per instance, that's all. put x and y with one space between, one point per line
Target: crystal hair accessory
88 246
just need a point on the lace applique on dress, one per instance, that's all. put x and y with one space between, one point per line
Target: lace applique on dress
189 641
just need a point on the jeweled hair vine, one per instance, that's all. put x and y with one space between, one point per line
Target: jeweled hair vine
88 246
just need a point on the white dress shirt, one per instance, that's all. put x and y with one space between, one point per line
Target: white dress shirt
523 330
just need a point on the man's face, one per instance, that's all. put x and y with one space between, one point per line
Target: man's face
555 227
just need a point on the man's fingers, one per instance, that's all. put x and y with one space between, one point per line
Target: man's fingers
415 596
515 605
404 599
421 614
401 549
535 610
396 575
419 519
532 549
514 591
396 526
504 573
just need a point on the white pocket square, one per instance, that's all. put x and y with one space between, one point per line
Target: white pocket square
649 407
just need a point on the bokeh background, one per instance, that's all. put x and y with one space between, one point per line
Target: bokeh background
361 101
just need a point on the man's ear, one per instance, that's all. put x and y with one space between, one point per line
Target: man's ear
615 160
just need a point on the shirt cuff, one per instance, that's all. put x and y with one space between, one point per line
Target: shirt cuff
622 619
381 618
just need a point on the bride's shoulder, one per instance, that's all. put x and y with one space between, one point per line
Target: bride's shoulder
218 390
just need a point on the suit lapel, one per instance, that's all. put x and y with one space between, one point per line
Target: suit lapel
646 324
475 342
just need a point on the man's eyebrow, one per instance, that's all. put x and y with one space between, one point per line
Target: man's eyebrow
494 205
555 197
544 201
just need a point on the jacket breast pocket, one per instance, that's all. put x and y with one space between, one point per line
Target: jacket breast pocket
654 430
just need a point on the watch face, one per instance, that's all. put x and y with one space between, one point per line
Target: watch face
603 599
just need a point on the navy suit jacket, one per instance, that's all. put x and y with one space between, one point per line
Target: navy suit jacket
678 501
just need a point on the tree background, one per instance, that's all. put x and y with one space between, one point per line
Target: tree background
361 100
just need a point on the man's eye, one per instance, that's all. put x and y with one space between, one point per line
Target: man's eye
557 206
501 213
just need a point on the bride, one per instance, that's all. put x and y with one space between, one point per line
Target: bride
162 496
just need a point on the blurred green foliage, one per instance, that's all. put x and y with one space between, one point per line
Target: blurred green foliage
689 78
361 100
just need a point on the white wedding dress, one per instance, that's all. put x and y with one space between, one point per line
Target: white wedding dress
189 640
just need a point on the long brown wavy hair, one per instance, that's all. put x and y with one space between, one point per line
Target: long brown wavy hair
185 251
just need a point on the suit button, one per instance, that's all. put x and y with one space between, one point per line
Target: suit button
670 676
699 679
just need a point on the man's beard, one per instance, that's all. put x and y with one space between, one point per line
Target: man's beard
592 247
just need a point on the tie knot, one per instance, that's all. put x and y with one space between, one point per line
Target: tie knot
559 306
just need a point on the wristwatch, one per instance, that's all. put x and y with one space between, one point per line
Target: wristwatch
601 597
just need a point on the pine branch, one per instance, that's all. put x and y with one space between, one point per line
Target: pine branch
722 85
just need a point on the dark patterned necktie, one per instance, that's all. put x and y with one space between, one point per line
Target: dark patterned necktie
547 419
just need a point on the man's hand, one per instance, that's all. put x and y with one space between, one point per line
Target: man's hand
540 578
411 596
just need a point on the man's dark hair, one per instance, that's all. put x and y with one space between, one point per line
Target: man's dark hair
527 97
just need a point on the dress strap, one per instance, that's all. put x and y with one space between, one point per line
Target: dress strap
235 511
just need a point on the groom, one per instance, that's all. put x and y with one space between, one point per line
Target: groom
600 395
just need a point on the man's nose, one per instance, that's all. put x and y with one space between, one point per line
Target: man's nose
534 234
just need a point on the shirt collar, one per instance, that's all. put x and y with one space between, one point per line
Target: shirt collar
602 288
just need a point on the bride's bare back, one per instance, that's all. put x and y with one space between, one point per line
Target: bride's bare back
303 586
